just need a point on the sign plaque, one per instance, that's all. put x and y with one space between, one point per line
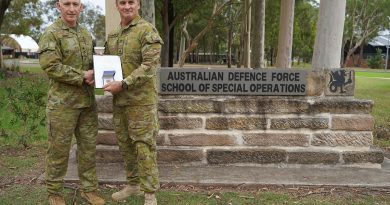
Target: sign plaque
232 81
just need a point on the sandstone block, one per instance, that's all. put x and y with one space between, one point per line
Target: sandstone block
238 123
256 156
315 83
255 105
311 157
341 105
108 154
175 122
372 156
104 103
106 137
353 123
199 139
342 139
173 156
189 106
299 123
275 139
105 121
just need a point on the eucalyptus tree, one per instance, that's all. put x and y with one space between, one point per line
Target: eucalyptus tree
364 18
304 30
283 59
172 12
272 9
258 33
218 8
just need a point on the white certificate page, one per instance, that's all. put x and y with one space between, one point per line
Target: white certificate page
107 68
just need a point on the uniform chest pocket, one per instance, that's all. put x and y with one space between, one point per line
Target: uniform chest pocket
69 45
132 49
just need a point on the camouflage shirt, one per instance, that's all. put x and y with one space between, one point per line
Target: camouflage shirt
64 54
139 47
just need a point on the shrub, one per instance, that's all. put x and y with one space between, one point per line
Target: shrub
375 61
26 102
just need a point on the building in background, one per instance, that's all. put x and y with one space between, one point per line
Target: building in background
23 46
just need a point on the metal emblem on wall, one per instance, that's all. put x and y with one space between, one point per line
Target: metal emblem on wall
340 82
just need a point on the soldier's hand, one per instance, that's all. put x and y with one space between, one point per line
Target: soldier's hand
113 87
89 77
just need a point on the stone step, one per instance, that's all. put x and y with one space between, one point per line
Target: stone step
106 137
251 105
250 156
238 122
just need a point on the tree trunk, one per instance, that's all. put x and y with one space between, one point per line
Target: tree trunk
148 11
283 58
360 54
258 32
247 34
4 4
330 25
171 17
166 33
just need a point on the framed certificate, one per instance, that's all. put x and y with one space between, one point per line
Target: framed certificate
107 68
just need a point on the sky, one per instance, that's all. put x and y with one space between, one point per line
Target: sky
99 3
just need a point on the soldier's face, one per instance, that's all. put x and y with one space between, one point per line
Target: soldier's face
70 10
128 9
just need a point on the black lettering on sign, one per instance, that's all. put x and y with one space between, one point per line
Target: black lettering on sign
232 81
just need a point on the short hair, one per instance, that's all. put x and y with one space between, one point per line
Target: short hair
116 1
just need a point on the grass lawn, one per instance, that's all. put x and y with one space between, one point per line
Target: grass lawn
20 168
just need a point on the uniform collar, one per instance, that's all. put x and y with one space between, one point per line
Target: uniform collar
65 26
133 22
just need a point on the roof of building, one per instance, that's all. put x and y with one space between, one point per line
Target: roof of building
382 40
27 43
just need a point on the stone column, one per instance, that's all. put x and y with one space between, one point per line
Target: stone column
330 27
112 16
283 59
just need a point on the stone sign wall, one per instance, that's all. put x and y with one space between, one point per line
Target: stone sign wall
326 126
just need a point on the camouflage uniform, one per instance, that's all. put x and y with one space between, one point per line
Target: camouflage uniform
65 53
135 110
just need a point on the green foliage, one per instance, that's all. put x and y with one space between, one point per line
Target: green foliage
376 60
25 100
305 25
3 75
23 17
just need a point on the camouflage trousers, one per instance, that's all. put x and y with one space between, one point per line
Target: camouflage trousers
62 124
136 128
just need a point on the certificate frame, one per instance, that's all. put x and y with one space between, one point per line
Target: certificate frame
107 68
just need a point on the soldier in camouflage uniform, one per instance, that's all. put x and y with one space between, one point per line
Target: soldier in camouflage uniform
138 44
66 57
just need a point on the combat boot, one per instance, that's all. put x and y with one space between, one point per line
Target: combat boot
93 198
56 200
126 192
150 199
